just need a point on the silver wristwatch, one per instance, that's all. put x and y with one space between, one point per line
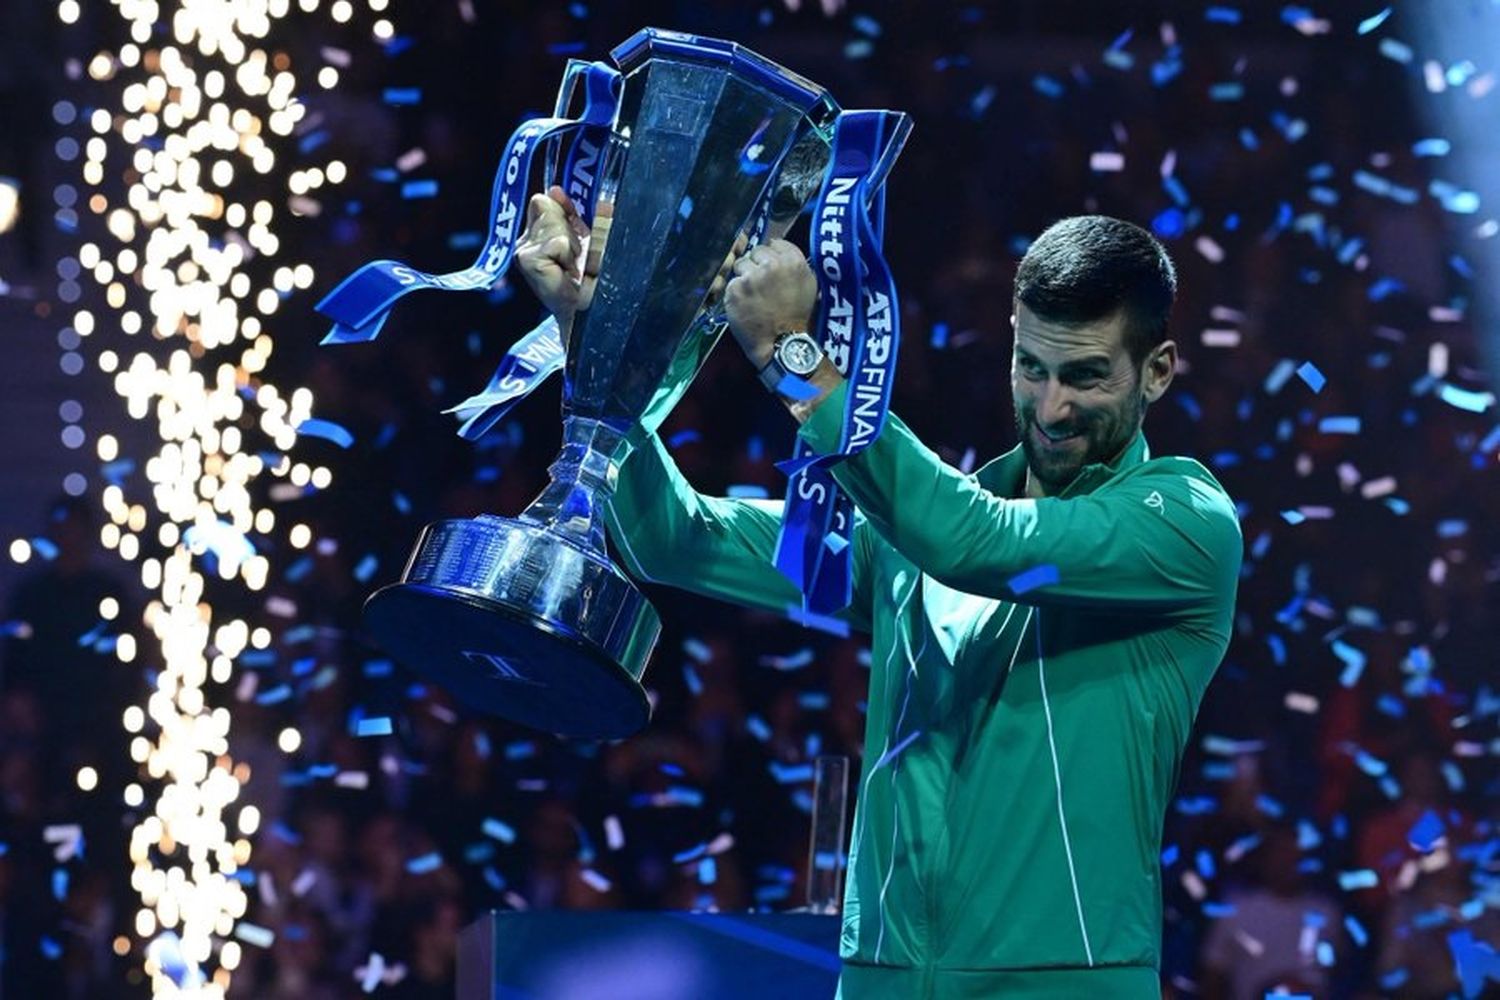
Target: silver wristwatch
795 353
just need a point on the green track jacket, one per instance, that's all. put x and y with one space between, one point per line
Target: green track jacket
1020 749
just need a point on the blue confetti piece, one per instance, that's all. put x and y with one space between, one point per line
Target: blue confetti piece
822 623
1271 807
380 726
1370 764
44 547
1293 516
1474 961
1394 50
59 884
1354 662
1170 223
1217 911
1175 190
1205 865
1202 805
402 95
1395 979
327 430
683 437
426 863
1046 86
681 796
520 750
790 774
1163 71
1031 579
939 336
565 48
693 681
1169 855
313 140
1229 91
274 696
747 491
1339 425
116 472
1452 527
758 728
419 189
1362 878
1465 399
835 543
1223 15
500 831
1309 373
1372 22
1455 200
1431 147
1357 932
1280 375
1426 832
366 568
51 949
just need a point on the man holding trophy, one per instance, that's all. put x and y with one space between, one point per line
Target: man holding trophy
1042 631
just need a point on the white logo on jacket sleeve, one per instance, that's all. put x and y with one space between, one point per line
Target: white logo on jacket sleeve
1156 503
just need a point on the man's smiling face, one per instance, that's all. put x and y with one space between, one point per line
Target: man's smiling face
1078 396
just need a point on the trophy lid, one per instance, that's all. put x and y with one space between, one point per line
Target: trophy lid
757 69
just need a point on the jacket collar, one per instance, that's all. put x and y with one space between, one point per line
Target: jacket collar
1006 475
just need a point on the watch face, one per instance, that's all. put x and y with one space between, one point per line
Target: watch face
800 355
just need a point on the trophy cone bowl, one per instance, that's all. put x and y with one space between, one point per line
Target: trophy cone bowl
551 635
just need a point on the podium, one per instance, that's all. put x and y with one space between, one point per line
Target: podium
568 955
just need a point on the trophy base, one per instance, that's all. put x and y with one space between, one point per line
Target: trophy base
519 622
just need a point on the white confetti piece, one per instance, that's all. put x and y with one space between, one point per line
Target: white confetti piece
1297 701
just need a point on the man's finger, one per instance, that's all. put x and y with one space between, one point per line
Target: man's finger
536 206
570 210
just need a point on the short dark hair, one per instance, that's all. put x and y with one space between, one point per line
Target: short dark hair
1084 268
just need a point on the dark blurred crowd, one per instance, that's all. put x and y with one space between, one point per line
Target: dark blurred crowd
1337 813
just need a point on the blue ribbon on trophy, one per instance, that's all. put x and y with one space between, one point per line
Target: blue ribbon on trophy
361 302
859 320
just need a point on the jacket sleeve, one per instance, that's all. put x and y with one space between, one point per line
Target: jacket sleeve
1163 538
667 532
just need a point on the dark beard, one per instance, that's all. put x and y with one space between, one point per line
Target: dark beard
1054 480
